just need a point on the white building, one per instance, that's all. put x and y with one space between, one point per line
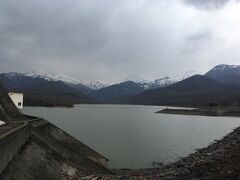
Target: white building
2 123
17 98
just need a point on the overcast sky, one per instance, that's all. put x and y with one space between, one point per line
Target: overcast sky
110 39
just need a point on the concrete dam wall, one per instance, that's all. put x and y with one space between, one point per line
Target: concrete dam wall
11 142
33 148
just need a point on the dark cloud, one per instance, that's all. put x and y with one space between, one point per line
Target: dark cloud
207 4
108 40
200 36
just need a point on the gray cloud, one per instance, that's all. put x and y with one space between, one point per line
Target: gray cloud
207 4
201 36
198 41
108 40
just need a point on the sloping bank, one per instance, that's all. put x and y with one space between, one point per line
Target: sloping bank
33 148
220 160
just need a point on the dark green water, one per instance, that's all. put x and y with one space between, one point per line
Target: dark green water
136 136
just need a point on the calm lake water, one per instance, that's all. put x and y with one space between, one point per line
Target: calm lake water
136 136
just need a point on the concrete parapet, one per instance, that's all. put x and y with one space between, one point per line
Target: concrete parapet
52 141
76 145
11 142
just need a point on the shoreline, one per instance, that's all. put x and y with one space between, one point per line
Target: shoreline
219 160
206 111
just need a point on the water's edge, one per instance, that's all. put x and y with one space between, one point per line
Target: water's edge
220 160
147 139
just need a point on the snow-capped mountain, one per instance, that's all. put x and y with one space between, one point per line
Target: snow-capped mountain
12 75
161 82
111 93
148 84
226 68
55 89
158 83
41 89
94 85
51 77
227 74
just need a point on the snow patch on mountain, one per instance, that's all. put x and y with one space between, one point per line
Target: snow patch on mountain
161 82
52 77
150 84
13 75
224 67
94 85
158 83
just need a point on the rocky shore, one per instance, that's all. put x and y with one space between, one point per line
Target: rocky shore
220 160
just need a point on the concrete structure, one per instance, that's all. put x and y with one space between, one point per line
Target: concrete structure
42 151
11 141
8 111
33 148
17 98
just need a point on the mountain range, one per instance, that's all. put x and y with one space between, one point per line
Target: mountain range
220 86
42 92
198 90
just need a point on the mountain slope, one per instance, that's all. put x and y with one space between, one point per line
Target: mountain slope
122 89
158 83
95 85
150 84
197 90
84 86
228 74
39 91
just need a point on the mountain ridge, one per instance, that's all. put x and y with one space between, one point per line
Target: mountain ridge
221 81
198 90
39 91
122 89
228 74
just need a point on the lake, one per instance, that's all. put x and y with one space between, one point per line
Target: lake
135 136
